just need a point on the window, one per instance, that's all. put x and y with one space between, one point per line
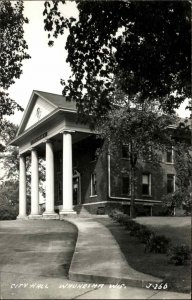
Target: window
125 185
125 151
169 155
147 156
146 184
170 183
150 151
93 184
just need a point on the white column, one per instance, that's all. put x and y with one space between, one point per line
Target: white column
67 174
34 185
49 205
22 188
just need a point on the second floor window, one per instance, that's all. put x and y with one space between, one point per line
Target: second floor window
146 184
125 151
169 155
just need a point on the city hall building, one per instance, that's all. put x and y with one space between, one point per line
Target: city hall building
75 176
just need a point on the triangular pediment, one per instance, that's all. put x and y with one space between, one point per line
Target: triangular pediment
38 108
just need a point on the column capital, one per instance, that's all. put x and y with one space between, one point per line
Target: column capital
33 149
48 141
67 131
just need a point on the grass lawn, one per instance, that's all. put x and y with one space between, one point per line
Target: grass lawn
37 247
178 229
178 278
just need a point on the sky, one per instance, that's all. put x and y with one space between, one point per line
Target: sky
47 64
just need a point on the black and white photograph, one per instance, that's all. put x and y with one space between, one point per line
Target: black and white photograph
95 149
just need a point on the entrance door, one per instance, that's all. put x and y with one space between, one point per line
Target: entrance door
76 188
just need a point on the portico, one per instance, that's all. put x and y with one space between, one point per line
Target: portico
76 175
49 124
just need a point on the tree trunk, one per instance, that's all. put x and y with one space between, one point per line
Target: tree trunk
132 203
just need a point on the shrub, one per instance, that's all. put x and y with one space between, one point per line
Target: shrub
134 228
8 214
141 232
123 219
144 235
157 244
130 225
118 217
179 255
114 214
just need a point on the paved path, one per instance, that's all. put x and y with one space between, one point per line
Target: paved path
98 258
35 257
102 260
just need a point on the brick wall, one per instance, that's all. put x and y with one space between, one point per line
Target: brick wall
86 161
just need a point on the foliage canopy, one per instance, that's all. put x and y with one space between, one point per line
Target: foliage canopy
143 130
13 50
143 44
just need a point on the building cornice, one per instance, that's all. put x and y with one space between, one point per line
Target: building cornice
40 123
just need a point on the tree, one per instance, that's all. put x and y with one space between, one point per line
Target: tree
13 51
145 44
9 200
145 132
9 180
9 154
182 143
138 50
10 158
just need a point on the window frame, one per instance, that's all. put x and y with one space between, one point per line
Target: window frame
148 157
149 184
129 184
172 157
173 176
93 178
122 152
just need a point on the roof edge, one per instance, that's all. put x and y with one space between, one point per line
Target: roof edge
58 109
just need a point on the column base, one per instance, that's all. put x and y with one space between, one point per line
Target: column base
66 213
35 217
22 217
50 216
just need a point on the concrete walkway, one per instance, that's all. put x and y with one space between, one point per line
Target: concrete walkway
35 256
98 258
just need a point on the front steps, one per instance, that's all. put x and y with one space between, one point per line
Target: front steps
79 211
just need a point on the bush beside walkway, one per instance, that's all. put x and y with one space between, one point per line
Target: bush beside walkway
156 264
178 229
